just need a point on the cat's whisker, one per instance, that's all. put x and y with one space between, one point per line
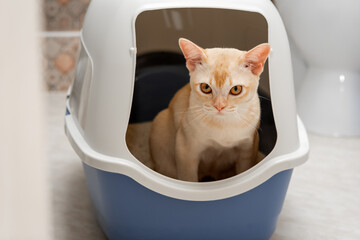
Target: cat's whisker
231 110
264 98
255 127
179 112
245 122
192 109
255 112
208 108
197 116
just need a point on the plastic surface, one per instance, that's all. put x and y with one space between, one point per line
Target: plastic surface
135 202
127 210
105 94
187 190
108 35
154 88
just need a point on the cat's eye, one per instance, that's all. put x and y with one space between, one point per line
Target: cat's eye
236 90
205 88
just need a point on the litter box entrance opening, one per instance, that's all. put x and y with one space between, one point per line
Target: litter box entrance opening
161 70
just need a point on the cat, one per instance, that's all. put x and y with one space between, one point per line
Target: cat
210 128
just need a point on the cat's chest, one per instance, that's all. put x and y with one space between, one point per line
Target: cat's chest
227 136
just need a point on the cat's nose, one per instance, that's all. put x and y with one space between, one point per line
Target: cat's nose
219 103
220 107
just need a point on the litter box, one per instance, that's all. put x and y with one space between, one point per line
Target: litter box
129 67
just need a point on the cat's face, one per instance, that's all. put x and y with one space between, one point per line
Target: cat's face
224 81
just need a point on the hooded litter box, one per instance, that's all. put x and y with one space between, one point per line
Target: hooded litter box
129 67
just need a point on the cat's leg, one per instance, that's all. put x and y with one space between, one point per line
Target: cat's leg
256 148
248 154
245 160
187 158
162 144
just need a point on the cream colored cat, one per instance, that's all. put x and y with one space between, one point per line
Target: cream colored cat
210 127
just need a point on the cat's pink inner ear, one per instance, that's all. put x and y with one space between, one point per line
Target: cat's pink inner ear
194 55
256 57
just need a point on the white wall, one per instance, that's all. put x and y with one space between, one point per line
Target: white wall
24 196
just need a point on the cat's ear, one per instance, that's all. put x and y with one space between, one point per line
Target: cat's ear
256 57
194 54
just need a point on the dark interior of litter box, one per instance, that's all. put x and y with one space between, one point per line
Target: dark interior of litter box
160 65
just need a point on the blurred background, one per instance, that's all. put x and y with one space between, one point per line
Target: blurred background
62 21
43 193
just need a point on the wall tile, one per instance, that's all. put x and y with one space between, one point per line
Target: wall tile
60 53
64 15
59 60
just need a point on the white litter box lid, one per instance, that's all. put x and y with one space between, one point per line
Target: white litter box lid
174 188
109 40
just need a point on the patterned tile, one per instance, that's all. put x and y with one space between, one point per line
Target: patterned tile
60 53
64 15
59 59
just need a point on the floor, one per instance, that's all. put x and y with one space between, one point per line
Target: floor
323 200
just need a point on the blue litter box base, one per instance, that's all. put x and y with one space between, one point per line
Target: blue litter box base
127 210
